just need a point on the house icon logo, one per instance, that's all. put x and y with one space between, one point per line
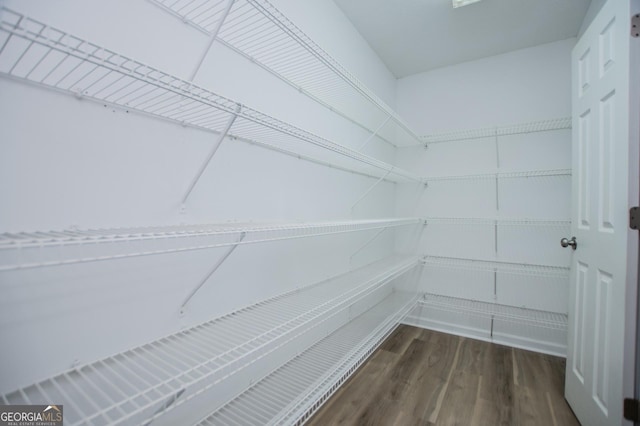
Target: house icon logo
32 415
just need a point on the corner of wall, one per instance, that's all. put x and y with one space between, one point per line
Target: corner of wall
593 10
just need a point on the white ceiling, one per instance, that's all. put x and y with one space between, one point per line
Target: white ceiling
413 36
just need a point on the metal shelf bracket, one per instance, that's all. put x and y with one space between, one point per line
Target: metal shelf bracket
213 151
214 36
374 133
369 241
362 197
211 272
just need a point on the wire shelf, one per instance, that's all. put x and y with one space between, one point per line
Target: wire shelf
23 250
257 232
502 175
497 221
292 393
260 32
492 132
497 266
133 387
34 52
545 319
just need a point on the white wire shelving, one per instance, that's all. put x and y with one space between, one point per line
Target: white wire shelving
260 32
33 52
141 384
496 266
493 132
517 326
537 318
501 175
24 250
498 221
292 393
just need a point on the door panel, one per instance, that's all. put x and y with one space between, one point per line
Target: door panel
579 321
601 344
607 156
600 196
584 169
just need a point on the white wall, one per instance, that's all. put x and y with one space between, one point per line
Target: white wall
593 10
518 87
524 85
66 162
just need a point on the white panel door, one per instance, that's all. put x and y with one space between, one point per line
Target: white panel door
596 359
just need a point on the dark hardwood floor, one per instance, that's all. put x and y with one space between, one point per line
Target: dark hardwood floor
423 377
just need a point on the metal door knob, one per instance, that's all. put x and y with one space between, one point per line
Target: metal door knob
565 242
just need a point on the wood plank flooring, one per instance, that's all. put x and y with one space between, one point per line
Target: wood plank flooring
423 377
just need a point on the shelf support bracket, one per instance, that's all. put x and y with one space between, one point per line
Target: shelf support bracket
495 283
215 147
211 272
375 132
497 193
166 405
370 189
492 318
497 174
214 36
497 148
369 241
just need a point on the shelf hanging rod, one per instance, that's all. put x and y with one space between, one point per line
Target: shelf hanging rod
211 272
213 151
